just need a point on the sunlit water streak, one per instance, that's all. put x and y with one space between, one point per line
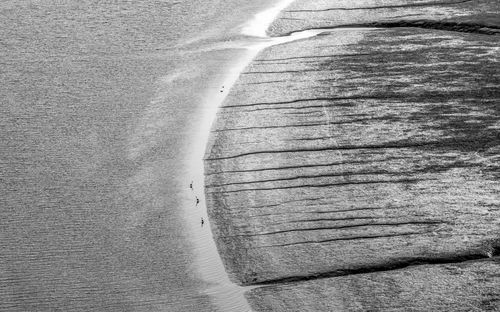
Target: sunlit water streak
258 26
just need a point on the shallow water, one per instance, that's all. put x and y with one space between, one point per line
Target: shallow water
101 107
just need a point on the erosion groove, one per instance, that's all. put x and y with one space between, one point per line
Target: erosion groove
314 212
313 57
332 219
465 27
273 127
359 170
302 71
344 174
346 239
401 264
315 99
288 167
439 25
395 6
393 145
317 185
265 82
395 224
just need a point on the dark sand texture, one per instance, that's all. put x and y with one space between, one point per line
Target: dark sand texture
367 153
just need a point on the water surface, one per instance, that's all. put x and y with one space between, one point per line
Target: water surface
101 102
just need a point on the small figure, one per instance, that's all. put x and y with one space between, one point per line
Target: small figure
191 185
202 221
197 200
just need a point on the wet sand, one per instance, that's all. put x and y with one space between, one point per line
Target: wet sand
366 154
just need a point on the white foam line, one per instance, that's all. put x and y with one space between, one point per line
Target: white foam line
258 26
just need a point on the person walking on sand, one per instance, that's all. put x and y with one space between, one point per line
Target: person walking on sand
202 221
197 200
191 185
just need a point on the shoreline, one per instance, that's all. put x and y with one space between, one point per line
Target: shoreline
207 254
208 261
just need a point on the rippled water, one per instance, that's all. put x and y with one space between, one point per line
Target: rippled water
100 107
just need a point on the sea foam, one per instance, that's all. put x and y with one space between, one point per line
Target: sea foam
257 26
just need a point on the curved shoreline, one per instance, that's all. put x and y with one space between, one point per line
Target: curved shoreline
221 288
